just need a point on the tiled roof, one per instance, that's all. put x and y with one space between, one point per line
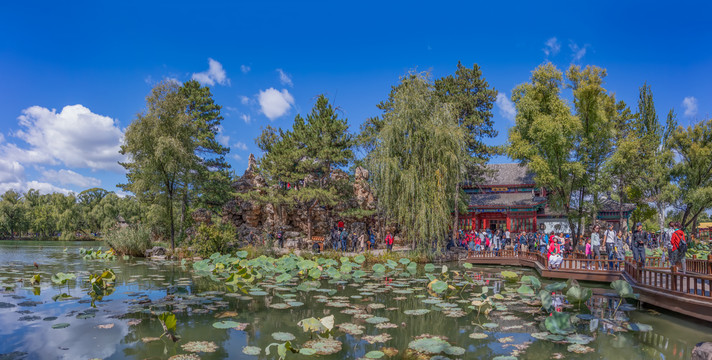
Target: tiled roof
610 205
505 199
506 174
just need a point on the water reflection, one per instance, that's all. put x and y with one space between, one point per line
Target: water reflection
145 286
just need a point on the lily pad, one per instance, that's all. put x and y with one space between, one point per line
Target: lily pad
478 336
525 290
228 324
251 350
60 326
200 346
372 339
579 349
429 268
377 320
283 336
375 354
416 312
351 329
639 327
431 345
324 346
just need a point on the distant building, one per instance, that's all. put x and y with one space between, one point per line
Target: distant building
509 198
704 231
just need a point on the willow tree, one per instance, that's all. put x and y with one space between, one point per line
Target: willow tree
419 158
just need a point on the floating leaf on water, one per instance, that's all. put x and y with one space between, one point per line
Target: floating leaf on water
386 325
540 335
50 318
226 314
389 351
200 346
280 306
184 357
490 325
554 337
416 312
429 268
377 320
228 324
324 346
351 329
555 287
283 336
467 265
60 326
429 344
509 275
379 268
525 290
478 336
5 305
579 339
438 286
372 339
359 259
105 326
579 349
375 354
376 306
559 323
455 350
150 339
251 350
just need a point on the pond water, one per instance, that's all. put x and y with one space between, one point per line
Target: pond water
123 325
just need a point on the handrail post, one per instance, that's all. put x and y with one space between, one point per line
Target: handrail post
673 278
709 264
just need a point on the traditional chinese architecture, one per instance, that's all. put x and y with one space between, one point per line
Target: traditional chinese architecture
509 198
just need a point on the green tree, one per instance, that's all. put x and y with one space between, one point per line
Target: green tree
419 161
692 173
306 158
545 136
12 213
161 153
471 100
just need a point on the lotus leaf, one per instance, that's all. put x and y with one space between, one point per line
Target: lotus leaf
359 259
579 339
307 351
226 324
555 287
412 267
429 267
251 350
200 346
431 345
478 336
283 336
578 295
540 335
623 289
525 290
416 312
60 326
467 265
375 354
184 357
379 268
490 325
372 339
377 320
324 346
579 349
509 276
351 329
438 286
559 323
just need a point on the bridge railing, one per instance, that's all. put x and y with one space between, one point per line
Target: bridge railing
572 262
687 284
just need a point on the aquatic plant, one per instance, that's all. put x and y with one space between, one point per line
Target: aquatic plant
169 324
102 284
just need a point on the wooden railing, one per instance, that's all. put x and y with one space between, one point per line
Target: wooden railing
687 284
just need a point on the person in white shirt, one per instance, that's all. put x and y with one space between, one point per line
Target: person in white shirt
610 237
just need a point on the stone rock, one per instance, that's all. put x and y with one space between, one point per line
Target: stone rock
202 216
155 251
702 351
362 190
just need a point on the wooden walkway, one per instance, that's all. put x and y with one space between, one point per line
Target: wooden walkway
686 293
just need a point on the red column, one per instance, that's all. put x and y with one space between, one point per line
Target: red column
534 222
509 222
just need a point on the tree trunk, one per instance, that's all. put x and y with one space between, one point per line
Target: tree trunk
170 214
456 221
309 223
620 205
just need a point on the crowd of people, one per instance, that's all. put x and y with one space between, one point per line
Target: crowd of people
557 246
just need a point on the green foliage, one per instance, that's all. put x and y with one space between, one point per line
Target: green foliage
559 323
62 278
624 290
418 162
213 238
102 284
169 324
132 240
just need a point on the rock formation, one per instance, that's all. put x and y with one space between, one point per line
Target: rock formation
247 214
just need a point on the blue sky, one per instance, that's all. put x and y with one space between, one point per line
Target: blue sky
73 75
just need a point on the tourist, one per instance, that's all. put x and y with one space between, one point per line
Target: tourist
638 244
543 243
531 242
280 238
507 238
497 241
588 252
679 247
596 242
344 240
389 241
555 257
666 244
372 240
362 242
477 243
609 236
354 241
334 237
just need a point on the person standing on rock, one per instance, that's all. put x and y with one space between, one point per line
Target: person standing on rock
280 238
389 241
344 240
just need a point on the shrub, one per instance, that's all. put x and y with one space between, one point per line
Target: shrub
213 238
132 240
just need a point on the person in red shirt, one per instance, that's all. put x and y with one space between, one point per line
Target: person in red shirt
679 247
389 241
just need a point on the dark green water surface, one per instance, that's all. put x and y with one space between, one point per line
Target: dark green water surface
118 326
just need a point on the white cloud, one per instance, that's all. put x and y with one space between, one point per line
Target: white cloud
552 46
45 188
578 52
244 100
241 145
506 107
11 171
237 157
214 74
75 137
284 78
246 118
690 105
222 139
275 103
12 177
245 69
69 177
